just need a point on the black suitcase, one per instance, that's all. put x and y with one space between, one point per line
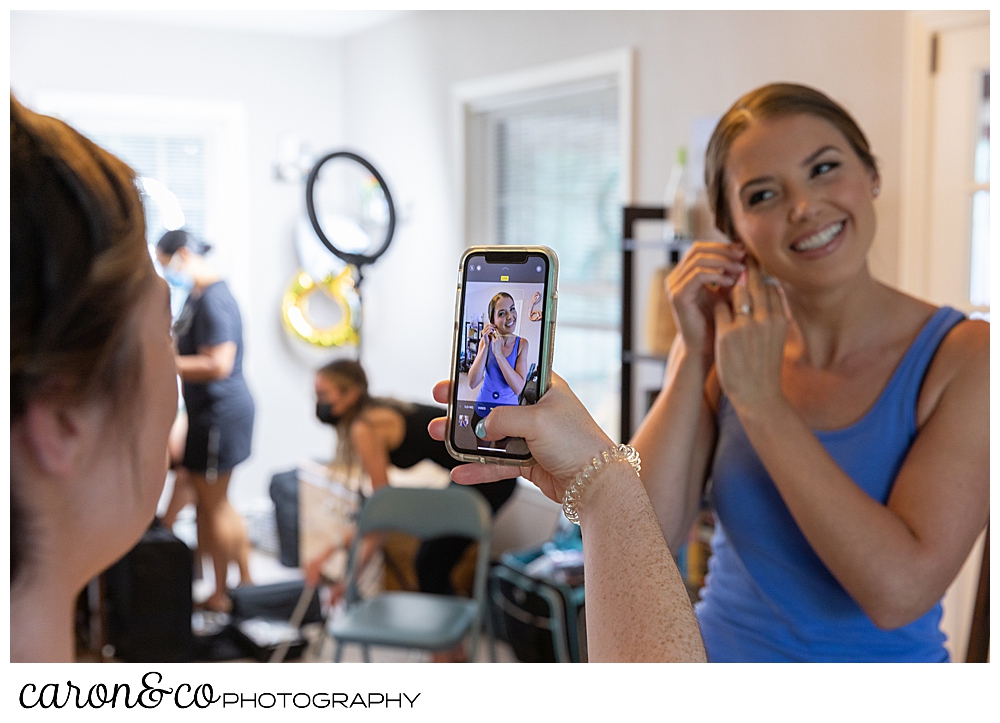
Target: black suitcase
540 614
285 494
261 614
148 600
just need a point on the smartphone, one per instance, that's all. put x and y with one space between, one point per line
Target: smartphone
505 317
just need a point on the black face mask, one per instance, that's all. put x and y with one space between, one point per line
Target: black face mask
324 412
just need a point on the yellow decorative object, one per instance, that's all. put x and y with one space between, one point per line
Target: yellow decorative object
341 289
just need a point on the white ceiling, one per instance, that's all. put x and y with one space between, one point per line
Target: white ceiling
272 17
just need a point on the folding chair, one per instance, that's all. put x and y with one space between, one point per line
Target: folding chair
412 619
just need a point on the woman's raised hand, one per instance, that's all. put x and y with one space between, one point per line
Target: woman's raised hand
703 277
488 335
750 340
562 437
497 346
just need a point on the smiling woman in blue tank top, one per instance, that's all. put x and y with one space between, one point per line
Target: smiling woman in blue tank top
843 424
502 360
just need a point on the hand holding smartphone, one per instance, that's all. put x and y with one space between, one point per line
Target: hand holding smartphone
502 352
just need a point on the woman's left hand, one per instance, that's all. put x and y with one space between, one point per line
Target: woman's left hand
497 346
750 340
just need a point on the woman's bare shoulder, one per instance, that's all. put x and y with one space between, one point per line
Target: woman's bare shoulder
385 423
960 367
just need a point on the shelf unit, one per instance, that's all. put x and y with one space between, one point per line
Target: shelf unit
473 332
692 557
672 250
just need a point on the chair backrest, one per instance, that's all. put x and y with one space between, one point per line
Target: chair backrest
426 513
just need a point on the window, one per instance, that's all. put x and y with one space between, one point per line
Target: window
190 156
979 282
177 162
546 166
172 175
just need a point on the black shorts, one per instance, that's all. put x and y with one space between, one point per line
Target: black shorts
218 441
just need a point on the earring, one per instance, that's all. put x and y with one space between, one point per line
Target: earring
875 191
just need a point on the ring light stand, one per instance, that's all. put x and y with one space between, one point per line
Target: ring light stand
358 261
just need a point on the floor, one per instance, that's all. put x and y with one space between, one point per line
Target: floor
266 568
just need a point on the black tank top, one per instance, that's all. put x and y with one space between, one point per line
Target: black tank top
417 444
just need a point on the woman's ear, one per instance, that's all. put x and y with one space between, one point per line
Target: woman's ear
57 434
876 182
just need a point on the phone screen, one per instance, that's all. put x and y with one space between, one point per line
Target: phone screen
503 314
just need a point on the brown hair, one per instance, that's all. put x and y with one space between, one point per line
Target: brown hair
771 101
349 374
496 300
78 266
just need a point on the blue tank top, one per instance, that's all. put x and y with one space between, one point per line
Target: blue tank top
495 389
768 597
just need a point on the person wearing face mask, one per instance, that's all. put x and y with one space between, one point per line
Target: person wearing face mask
208 335
375 432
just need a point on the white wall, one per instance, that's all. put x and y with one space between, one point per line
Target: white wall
287 85
689 65
385 93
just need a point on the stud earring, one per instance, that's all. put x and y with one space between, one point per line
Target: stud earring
875 191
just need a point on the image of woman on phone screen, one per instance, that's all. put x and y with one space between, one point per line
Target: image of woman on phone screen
501 366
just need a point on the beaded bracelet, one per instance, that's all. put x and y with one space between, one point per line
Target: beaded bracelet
571 498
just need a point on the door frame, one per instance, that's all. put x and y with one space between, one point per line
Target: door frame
922 28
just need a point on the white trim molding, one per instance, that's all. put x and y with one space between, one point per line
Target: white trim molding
916 137
473 96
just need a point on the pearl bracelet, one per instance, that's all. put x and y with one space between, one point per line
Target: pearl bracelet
573 494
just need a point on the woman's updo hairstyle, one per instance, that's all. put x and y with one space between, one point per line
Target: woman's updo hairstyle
496 300
79 262
771 101
79 265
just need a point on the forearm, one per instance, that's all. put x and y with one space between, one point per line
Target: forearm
668 442
514 380
870 549
476 370
200 368
637 605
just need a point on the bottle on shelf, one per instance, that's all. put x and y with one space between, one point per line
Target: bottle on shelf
676 197
660 328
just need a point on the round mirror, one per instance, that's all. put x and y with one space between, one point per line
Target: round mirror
350 207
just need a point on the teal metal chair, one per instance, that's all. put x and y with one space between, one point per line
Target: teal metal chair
412 619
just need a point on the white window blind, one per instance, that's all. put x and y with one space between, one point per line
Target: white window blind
553 165
176 161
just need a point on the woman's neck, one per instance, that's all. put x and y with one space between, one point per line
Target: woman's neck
830 324
203 274
41 618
